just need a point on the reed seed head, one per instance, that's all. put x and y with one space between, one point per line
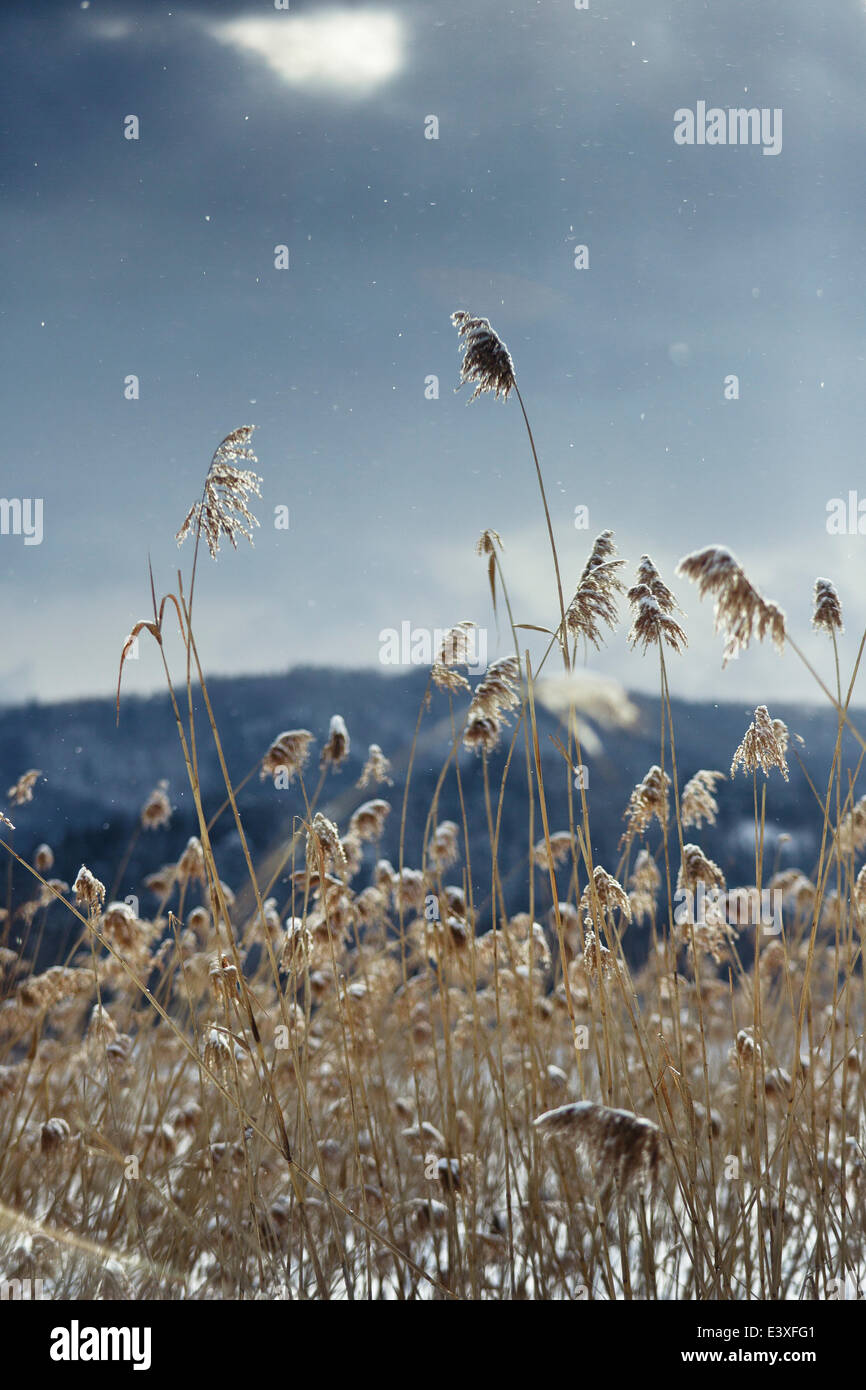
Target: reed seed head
597 959
619 1146
445 845
644 884
696 868
336 750
764 745
191 862
217 1051
43 858
56 1135
482 735
156 811
550 852
497 692
88 890
323 843
486 360
740 612
456 650
488 542
36 993
22 790
223 510
698 803
851 833
287 754
297 945
594 599
120 926
368 820
376 769
649 800
609 894
653 605
827 616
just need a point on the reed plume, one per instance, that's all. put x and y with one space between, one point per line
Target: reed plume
223 510
156 811
88 890
740 612
494 695
594 599
287 754
827 615
698 803
456 650
486 362
764 745
653 605
648 801
22 791
376 769
618 1146
336 750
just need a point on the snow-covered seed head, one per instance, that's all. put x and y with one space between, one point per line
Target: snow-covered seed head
368 820
653 606
376 768
617 1145
43 859
88 890
336 750
156 810
323 844
287 754
191 862
594 599
827 616
56 1135
764 745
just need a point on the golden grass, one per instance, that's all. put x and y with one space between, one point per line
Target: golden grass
350 1092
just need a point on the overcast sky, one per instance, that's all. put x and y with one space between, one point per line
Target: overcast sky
259 128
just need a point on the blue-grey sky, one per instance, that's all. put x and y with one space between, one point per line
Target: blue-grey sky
306 128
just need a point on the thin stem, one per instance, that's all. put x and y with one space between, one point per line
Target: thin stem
564 638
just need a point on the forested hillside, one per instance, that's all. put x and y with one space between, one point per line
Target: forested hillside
96 775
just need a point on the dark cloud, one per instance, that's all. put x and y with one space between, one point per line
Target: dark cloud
155 257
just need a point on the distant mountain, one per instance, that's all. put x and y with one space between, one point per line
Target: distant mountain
97 775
